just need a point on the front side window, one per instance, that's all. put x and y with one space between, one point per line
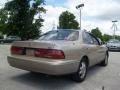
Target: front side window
60 35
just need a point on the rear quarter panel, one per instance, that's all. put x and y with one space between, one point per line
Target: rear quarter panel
74 51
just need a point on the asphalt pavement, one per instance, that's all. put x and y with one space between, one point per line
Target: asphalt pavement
98 77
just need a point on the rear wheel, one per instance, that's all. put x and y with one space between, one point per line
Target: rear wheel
80 75
105 62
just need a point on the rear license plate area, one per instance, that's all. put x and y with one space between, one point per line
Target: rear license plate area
30 52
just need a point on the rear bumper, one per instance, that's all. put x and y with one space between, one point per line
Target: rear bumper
50 67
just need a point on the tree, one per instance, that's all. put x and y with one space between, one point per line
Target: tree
3 21
107 37
96 32
21 21
67 21
118 37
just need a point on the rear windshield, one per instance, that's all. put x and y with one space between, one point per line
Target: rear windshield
60 35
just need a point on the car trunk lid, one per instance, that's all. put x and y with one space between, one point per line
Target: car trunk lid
37 49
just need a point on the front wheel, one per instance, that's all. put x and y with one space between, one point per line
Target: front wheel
82 72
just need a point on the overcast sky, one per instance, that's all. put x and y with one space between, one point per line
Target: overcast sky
95 13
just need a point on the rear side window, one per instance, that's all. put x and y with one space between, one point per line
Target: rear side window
89 39
95 40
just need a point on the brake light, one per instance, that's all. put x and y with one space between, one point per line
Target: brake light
49 53
17 50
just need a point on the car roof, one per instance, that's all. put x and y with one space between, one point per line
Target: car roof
72 30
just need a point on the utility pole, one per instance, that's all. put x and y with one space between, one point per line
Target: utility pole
79 7
114 26
53 26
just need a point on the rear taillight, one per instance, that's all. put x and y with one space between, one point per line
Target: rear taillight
17 50
49 53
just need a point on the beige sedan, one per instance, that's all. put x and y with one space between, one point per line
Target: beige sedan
59 52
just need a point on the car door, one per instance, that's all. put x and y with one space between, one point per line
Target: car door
92 46
101 51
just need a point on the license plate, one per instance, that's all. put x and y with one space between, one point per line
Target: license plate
30 52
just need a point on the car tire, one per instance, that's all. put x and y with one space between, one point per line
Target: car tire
80 75
105 61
